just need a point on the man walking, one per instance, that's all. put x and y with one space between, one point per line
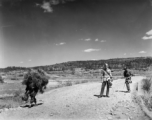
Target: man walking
106 78
127 75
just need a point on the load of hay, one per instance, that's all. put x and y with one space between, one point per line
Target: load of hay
37 78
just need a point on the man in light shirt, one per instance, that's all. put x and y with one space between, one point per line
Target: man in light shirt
106 77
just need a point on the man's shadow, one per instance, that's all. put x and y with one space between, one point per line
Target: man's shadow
98 96
121 91
29 106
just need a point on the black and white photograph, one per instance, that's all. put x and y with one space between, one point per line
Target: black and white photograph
75 59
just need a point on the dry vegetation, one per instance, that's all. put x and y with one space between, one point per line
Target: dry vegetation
147 88
11 95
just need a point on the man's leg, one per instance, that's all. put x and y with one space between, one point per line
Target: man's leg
128 86
102 88
107 92
32 98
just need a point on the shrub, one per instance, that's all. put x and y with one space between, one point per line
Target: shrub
1 79
84 81
146 85
14 78
77 82
20 75
147 97
68 83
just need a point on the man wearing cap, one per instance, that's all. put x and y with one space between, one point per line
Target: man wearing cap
106 77
127 75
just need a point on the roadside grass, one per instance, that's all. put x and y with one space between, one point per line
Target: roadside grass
146 85
10 95
12 101
147 89
68 83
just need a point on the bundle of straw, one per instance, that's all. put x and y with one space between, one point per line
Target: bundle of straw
36 78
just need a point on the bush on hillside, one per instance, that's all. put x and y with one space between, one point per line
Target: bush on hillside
1 79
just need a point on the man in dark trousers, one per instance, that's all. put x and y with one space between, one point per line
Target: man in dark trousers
127 75
106 78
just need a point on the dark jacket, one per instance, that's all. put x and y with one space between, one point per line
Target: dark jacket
127 73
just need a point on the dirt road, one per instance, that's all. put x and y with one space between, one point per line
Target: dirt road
80 102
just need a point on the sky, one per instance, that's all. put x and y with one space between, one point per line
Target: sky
45 32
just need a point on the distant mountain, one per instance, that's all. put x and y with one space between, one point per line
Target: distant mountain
137 63
117 63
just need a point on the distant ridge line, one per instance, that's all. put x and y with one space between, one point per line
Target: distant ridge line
132 62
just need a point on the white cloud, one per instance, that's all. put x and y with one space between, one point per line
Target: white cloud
88 39
96 39
62 43
142 52
149 32
103 41
147 38
54 2
46 6
148 35
91 50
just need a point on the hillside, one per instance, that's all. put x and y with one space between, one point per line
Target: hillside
137 63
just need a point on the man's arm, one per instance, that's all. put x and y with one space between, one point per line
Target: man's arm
110 74
130 73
